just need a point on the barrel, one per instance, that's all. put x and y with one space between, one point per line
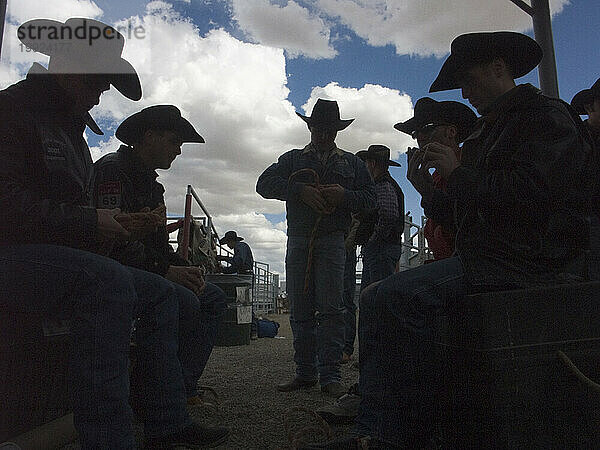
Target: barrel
237 319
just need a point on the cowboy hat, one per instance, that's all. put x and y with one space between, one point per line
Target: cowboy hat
230 236
520 52
377 153
427 111
162 117
586 97
326 114
84 46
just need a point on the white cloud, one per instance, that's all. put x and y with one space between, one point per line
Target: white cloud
426 27
20 11
291 27
236 95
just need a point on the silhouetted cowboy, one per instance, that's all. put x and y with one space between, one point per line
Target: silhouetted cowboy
49 225
318 213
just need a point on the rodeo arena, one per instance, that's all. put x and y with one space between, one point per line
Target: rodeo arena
473 325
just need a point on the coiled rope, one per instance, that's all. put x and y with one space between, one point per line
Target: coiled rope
313 235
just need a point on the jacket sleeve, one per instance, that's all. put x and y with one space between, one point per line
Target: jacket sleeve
362 197
273 183
29 214
534 163
439 207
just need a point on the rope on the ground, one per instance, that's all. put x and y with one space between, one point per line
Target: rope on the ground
204 389
578 373
297 432
313 235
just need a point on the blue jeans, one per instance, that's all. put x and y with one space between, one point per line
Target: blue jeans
199 319
101 297
379 261
398 376
317 317
349 301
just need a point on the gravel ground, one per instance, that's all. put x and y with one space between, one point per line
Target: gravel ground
245 378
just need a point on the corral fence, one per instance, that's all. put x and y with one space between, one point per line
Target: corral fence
198 241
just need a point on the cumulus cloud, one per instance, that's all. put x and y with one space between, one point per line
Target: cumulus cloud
236 95
23 10
291 27
426 27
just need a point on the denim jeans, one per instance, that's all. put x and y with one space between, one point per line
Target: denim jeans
199 319
350 301
379 261
317 317
101 297
594 259
398 376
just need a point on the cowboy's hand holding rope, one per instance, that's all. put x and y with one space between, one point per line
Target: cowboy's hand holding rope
333 194
440 157
313 197
187 276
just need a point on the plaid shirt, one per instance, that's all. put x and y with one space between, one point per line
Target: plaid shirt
388 212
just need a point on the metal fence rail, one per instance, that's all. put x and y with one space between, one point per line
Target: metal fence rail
266 283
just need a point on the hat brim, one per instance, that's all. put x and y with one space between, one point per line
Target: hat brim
119 72
408 126
338 125
520 52
226 240
582 98
132 128
364 155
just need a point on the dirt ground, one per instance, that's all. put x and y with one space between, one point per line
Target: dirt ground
245 378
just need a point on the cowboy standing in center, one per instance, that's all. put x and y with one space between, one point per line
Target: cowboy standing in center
321 185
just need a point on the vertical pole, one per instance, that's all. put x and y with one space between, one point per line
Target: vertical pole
542 30
3 4
407 244
187 222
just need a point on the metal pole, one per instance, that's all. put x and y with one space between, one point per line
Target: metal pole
542 29
3 4
187 222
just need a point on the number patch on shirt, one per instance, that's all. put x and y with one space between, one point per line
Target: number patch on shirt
109 195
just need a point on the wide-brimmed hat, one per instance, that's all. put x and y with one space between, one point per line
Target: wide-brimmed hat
377 153
427 111
161 117
586 97
84 46
519 52
326 114
230 236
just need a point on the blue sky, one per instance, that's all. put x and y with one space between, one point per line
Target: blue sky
239 69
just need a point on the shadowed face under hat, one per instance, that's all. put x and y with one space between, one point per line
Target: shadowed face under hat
326 114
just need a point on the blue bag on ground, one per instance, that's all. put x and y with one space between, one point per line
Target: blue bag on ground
267 328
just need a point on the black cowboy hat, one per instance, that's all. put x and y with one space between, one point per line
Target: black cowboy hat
519 52
230 236
586 97
378 153
326 114
84 46
162 117
427 111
